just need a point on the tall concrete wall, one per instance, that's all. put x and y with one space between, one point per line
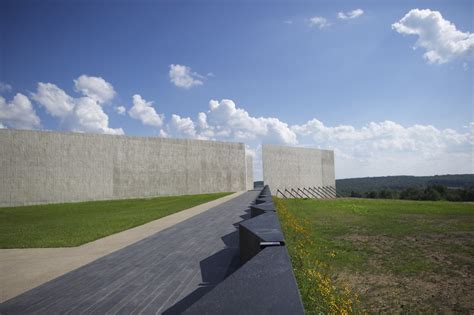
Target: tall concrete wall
289 167
48 167
249 169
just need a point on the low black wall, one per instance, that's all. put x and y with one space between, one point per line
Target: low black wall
265 283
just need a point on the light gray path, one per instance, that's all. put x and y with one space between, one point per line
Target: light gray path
22 269
165 272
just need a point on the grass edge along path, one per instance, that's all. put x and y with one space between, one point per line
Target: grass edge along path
320 294
74 224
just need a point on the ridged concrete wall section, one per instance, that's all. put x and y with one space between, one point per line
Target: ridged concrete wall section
38 167
249 171
293 168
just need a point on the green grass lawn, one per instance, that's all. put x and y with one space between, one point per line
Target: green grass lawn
389 256
72 224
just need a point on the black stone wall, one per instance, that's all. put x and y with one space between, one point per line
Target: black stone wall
265 283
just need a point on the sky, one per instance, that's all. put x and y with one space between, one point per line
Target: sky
387 85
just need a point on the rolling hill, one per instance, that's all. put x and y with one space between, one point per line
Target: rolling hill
399 183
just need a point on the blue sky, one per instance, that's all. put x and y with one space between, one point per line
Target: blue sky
378 101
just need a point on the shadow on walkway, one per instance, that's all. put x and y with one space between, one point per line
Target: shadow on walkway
214 269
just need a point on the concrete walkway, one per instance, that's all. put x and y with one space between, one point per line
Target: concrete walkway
164 273
24 269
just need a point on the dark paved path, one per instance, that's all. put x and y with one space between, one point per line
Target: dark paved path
164 273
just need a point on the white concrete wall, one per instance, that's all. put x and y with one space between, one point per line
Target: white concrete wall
290 167
49 167
249 169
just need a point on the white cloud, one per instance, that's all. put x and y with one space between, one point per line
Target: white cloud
95 87
181 127
202 121
163 134
439 37
183 77
18 113
83 114
225 121
4 87
288 22
54 99
90 117
206 131
319 22
145 112
388 148
120 110
350 15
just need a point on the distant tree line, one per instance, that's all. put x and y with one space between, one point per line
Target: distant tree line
432 192
399 183
438 187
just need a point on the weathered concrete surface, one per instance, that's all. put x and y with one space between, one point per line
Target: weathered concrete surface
290 167
249 170
24 269
168 271
48 167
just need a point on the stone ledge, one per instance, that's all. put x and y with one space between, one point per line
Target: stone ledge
262 208
265 283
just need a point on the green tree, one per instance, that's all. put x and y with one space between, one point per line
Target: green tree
431 194
411 193
441 189
372 194
355 194
386 194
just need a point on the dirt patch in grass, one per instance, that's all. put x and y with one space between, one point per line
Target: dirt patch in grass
388 293
397 256
424 273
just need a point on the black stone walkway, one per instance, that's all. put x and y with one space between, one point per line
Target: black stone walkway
164 273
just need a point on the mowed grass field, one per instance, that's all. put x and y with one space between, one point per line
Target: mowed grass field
73 224
388 256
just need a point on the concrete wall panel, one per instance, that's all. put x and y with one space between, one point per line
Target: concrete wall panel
249 168
47 167
328 168
290 167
